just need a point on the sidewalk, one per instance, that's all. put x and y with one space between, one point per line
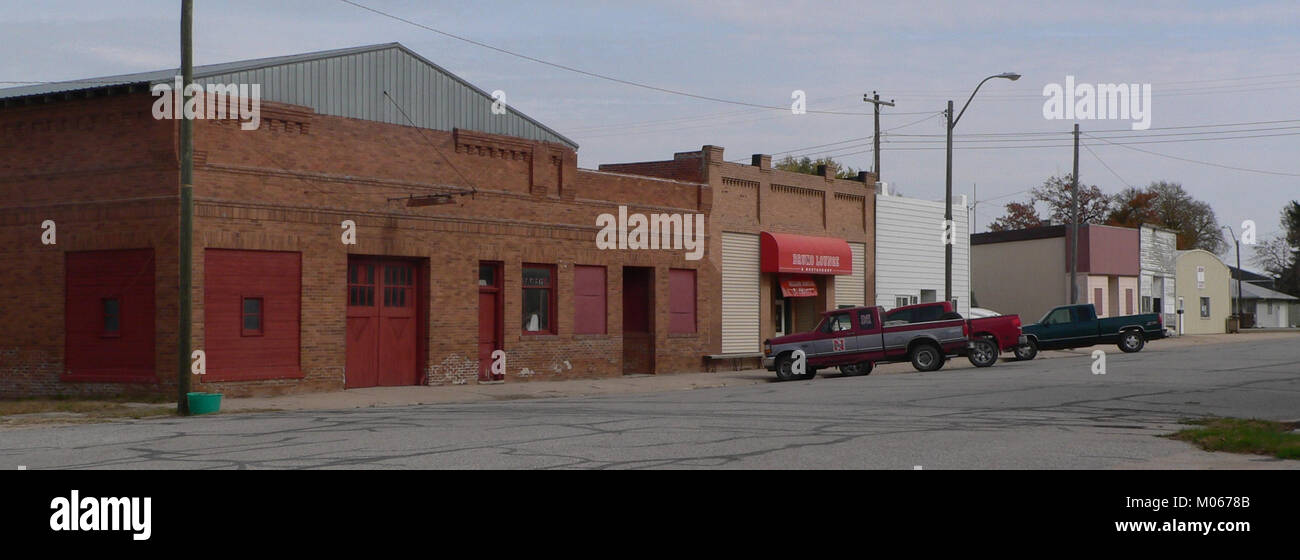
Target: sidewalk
633 384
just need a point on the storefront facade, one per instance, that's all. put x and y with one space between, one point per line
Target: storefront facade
787 245
331 250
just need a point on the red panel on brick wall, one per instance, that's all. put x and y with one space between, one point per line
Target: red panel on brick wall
109 320
589 299
681 297
230 276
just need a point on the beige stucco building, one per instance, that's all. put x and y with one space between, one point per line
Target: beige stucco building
1026 272
1203 296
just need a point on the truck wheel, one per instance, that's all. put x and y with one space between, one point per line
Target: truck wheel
983 353
860 368
1027 351
926 357
1131 341
785 368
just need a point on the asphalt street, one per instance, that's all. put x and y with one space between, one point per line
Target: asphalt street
1052 414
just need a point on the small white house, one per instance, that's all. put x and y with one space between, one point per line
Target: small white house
1272 309
910 251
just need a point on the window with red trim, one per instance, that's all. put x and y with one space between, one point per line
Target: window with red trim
252 317
112 317
539 299
681 300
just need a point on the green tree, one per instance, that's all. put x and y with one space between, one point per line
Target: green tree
809 166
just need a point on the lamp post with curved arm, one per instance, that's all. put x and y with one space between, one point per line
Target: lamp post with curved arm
947 208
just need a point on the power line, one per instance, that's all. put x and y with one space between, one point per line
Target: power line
1066 133
706 116
430 142
1123 145
585 72
1103 164
794 152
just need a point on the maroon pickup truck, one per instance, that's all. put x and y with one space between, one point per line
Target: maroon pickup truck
989 336
855 338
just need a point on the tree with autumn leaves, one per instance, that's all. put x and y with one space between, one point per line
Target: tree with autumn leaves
1279 256
1163 204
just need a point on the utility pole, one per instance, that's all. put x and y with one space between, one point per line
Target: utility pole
1074 221
875 100
947 210
185 239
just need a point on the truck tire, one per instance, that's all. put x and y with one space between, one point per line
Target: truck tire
984 352
927 357
785 367
1131 341
1027 351
860 368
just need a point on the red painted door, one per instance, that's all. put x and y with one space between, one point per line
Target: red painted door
363 332
382 323
397 325
489 319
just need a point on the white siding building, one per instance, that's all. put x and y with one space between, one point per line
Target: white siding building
1157 252
910 252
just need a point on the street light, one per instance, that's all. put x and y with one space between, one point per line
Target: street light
947 207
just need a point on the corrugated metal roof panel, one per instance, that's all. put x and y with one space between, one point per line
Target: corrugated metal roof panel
347 83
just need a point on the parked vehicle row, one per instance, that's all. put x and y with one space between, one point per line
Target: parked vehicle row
928 334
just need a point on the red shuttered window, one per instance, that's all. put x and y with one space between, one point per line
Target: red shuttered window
681 298
109 316
251 314
589 300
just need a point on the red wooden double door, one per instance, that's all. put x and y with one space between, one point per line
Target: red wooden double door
383 322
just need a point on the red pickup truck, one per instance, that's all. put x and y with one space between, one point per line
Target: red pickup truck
989 336
855 338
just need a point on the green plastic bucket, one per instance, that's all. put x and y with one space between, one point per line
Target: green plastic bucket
204 403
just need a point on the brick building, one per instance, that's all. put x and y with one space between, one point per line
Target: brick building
474 232
786 245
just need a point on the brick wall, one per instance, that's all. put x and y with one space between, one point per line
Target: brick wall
757 198
106 173
290 187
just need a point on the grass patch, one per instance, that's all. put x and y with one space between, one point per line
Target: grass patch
1238 435
76 411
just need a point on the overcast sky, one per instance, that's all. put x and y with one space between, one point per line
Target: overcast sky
1207 63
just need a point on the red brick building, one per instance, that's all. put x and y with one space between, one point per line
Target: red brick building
786 245
474 231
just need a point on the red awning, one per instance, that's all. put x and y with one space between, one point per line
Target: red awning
789 253
798 286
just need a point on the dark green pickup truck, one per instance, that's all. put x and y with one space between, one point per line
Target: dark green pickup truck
1077 326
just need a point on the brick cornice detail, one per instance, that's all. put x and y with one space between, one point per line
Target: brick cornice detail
491 145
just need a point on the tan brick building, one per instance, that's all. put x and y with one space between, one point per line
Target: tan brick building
762 217
474 231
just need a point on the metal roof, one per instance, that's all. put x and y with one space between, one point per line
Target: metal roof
343 82
1255 291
